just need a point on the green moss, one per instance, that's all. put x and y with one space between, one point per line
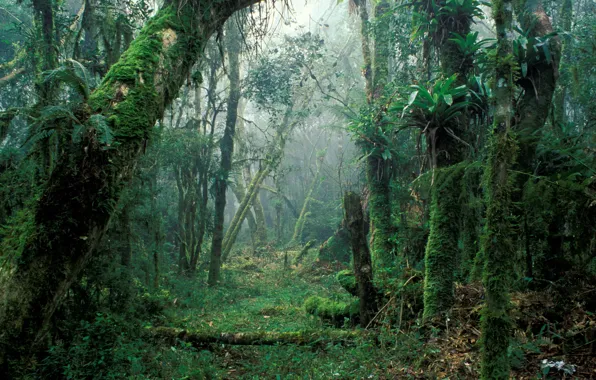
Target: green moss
128 95
499 251
379 201
442 247
347 280
331 311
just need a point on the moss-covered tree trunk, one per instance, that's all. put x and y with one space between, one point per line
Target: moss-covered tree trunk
78 199
240 193
498 240
540 81
376 43
300 222
233 41
538 87
445 151
259 213
362 261
242 211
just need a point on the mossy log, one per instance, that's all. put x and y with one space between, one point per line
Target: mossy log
332 311
256 338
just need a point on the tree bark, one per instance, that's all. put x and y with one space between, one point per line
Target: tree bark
233 41
363 269
77 201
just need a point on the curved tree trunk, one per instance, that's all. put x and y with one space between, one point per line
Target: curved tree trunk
77 201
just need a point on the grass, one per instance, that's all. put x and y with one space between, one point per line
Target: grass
259 294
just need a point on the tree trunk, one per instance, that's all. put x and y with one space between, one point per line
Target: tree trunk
257 206
233 41
362 260
299 226
240 215
540 81
446 153
499 247
240 193
77 201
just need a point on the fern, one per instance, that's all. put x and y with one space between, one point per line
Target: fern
104 133
72 74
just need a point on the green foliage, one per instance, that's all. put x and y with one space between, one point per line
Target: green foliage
347 280
434 106
469 45
278 74
73 74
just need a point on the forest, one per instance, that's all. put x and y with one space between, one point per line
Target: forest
317 189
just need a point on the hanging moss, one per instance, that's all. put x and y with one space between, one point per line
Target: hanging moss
442 246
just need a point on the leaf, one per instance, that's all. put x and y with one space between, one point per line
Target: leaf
524 67
386 155
448 99
412 98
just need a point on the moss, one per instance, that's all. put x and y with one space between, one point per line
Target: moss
347 280
128 95
332 311
442 246
499 251
382 248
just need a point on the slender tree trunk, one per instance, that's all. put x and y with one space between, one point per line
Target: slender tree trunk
362 261
236 223
257 206
233 42
560 117
299 226
240 193
499 248
77 201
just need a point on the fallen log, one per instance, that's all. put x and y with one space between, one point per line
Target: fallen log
263 338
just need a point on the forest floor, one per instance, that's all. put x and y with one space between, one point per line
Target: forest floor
263 295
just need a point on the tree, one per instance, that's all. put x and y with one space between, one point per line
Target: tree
498 237
233 44
76 203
